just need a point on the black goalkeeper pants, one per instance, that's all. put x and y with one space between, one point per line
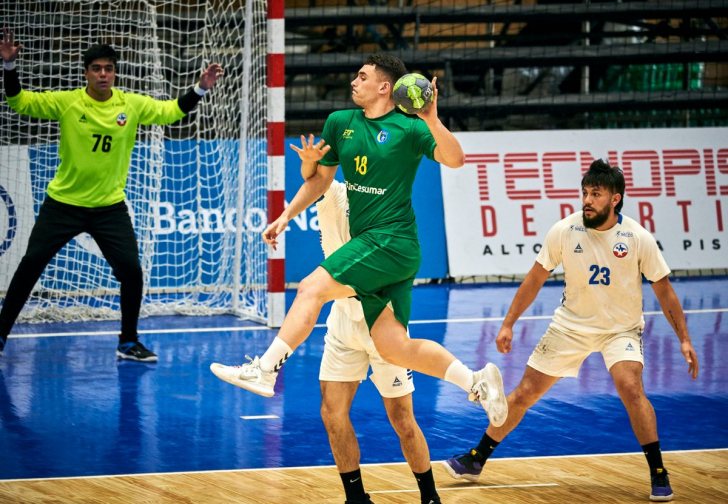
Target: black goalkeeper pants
56 225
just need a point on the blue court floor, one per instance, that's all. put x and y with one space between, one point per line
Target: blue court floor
68 407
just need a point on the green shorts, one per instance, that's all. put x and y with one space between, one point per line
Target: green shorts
381 268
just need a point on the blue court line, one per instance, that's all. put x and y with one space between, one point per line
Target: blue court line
264 328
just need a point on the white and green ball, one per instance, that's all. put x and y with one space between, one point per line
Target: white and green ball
413 93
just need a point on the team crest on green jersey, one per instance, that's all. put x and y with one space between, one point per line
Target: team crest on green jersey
383 136
121 119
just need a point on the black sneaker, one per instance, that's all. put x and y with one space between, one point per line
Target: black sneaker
466 465
367 501
661 490
135 351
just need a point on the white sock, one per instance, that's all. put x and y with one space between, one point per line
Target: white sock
460 374
277 353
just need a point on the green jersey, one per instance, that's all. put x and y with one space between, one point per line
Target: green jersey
97 139
379 158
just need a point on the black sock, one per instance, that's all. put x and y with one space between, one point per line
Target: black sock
353 486
654 456
426 482
485 448
128 338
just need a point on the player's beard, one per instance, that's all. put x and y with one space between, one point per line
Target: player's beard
598 219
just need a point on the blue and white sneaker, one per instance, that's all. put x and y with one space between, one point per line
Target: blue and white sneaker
464 466
661 490
135 351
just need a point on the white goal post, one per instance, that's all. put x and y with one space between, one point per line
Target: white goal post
200 190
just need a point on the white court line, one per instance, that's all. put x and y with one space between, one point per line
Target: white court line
145 331
259 417
264 328
305 468
476 487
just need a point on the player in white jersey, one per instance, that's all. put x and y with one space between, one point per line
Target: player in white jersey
604 255
348 352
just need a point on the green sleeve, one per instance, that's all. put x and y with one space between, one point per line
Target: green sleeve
153 111
45 105
329 135
423 143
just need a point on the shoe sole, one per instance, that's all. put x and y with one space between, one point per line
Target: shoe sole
661 498
455 475
218 370
136 359
497 409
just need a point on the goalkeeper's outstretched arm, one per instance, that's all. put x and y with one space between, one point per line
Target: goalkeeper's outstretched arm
209 77
9 53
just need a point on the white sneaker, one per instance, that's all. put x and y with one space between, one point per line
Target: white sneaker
248 376
488 390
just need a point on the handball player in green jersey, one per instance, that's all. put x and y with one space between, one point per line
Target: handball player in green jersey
379 150
98 126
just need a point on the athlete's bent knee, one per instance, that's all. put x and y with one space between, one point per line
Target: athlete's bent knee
523 397
311 289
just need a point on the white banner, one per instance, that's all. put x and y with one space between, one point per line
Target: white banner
16 209
516 185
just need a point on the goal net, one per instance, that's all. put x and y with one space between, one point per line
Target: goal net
197 189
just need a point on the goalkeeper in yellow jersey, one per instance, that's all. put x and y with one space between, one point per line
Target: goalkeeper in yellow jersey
98 126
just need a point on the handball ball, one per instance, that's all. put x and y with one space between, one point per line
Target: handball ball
413 93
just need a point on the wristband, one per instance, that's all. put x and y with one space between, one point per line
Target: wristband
9 65
199 90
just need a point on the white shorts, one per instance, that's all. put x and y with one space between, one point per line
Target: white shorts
561 353
348 353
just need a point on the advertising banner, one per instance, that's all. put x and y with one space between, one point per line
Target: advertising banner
16 209
189 226
516 185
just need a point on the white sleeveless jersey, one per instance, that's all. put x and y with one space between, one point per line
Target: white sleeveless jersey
603 273
333 217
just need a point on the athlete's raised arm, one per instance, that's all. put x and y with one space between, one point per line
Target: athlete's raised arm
448 150
8 50
310 154
9 53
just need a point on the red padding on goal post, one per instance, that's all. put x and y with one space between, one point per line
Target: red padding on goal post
276 70
276 204
276 9
276 275
276 139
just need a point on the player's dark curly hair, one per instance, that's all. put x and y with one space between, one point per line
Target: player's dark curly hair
389 66
99 51
602 174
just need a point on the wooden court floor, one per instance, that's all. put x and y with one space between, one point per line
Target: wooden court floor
697 477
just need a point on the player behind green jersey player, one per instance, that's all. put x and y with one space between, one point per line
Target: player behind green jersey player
379 151
98 129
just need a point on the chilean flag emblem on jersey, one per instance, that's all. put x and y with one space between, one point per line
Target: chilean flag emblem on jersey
121 119
620 250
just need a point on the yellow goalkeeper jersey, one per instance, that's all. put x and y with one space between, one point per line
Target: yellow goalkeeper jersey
97 139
